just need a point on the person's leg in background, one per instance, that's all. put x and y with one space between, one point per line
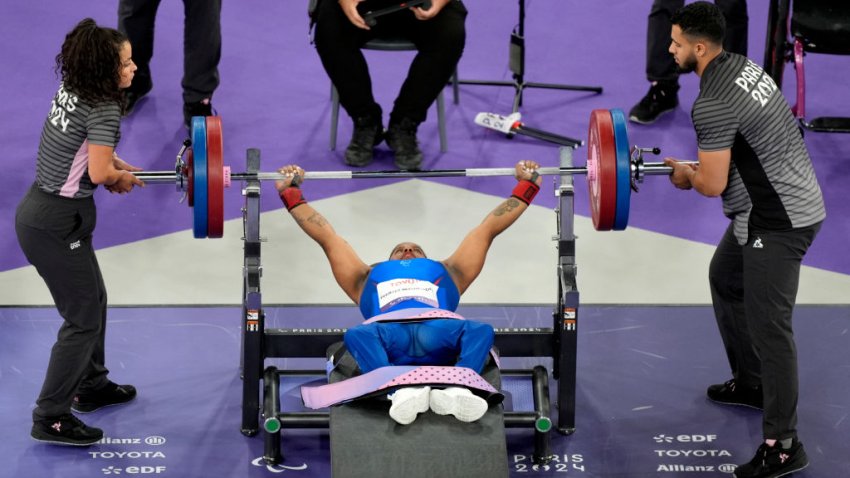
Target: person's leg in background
440 42
136 19
338 44
201 54
661 70
737 25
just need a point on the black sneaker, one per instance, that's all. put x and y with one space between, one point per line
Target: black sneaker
730 393
112 394
65 430
368 133
135 93
774 461
401 137
201 108
661 98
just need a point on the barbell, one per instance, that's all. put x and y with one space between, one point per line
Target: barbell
613 171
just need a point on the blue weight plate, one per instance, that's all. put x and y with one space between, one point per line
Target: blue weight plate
624 185
199 162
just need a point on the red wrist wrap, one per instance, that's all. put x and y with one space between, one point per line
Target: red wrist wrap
525 191
292 198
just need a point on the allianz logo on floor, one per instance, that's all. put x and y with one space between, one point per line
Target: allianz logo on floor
154 440
679 451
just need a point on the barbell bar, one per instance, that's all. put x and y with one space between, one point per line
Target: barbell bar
171 176
613 171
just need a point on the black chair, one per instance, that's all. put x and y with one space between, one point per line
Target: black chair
816 26
390 44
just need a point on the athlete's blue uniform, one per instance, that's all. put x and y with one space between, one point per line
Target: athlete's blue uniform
415 283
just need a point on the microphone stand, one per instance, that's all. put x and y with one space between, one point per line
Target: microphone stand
517 67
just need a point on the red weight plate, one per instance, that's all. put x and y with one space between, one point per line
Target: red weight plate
190 178
602 170
215 177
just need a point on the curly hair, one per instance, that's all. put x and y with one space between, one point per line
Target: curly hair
90 62
701 20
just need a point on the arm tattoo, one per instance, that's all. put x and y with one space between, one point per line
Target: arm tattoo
315 218
509 205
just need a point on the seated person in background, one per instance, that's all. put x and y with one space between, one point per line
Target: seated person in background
409 280
439 35
661 71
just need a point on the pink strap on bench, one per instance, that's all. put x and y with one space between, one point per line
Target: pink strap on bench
392 377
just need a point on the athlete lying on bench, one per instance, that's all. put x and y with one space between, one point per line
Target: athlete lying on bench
409 280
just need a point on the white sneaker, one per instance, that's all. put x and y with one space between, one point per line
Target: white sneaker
460 402
408 403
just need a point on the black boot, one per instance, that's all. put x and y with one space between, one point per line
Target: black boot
401 137
138 90
368 133
732 393
111 394
200 108
661 98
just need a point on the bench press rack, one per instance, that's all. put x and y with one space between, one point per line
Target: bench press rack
258 343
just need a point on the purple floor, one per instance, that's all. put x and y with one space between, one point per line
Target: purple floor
641 409
642 371
274 96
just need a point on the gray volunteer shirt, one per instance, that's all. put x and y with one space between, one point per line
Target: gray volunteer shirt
772 185
62 165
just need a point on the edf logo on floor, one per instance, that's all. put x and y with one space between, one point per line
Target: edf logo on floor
133 470
684 438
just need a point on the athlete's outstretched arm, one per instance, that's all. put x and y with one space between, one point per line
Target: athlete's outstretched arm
348 269
467 261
